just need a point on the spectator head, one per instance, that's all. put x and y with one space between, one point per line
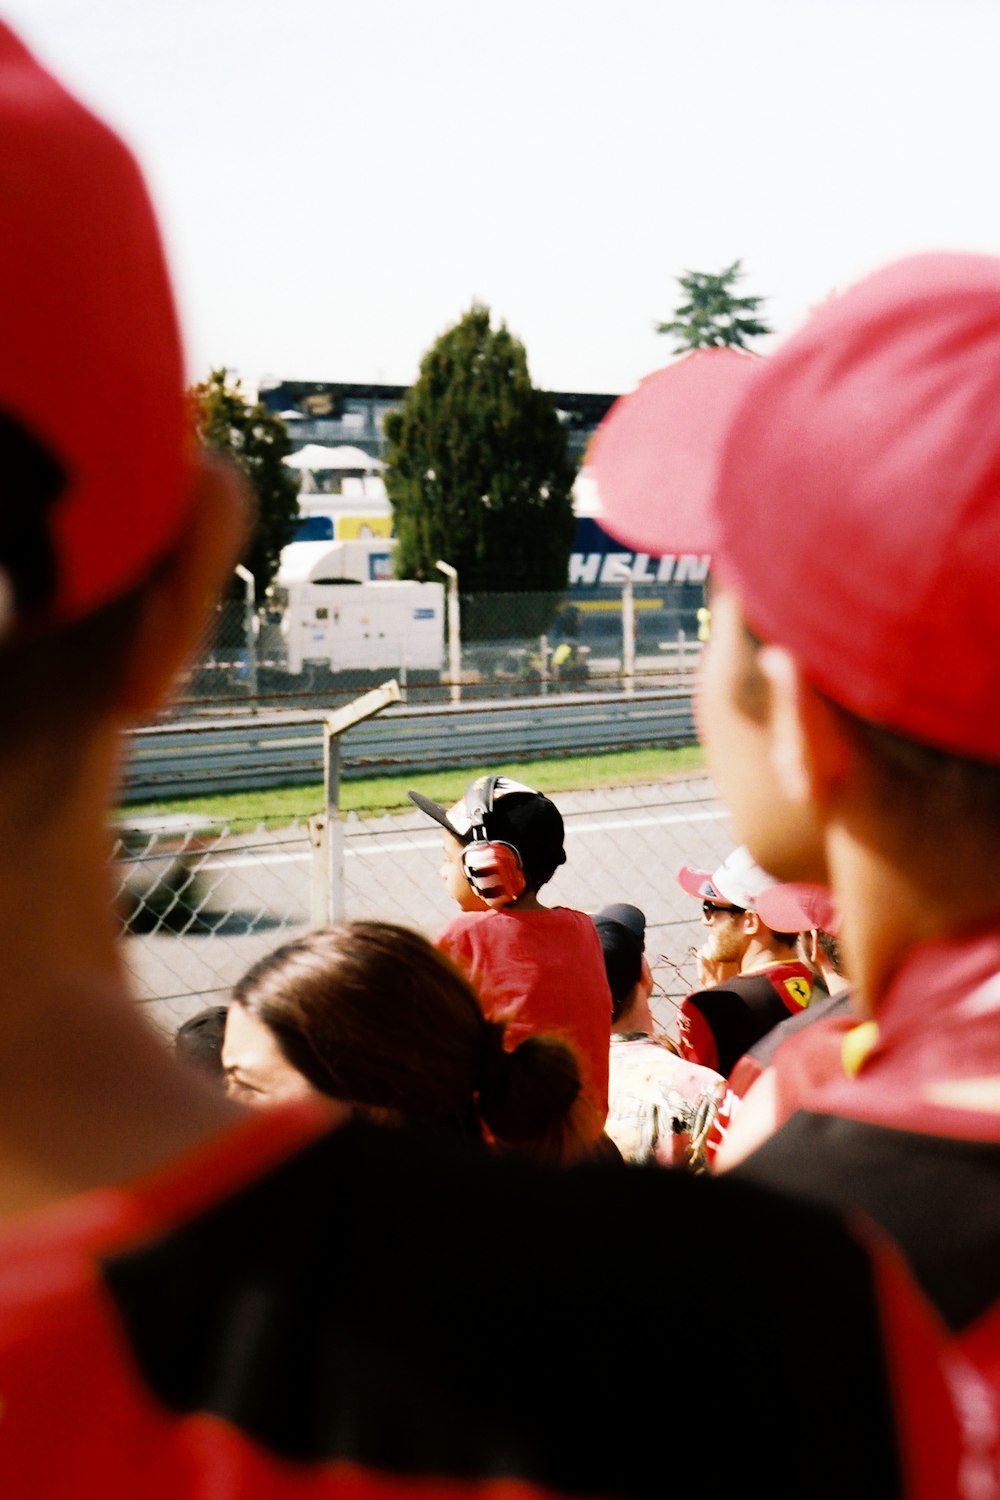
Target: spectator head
731 898
371 1014
863 457
510 817
91 397
622 931
797 903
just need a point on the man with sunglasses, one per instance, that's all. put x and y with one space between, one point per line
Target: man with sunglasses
751 976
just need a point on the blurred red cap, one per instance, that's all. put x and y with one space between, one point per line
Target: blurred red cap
855 507
796 907
91 378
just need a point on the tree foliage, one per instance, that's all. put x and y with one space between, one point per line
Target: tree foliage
258 441
478 470
713 314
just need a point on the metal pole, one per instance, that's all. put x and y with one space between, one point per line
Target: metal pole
628 636
329 902
320 888
334 825
250 627
543 652
454 630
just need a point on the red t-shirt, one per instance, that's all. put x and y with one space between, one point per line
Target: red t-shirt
542 972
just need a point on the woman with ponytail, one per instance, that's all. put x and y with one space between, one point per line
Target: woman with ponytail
372 1015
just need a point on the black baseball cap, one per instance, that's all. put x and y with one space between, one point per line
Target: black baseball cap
622 931
520 816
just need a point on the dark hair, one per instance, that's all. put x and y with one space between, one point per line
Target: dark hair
922 785
62 678
201 1036
65 679
533 824
371 1013
829 945
622 952
935 798
783 939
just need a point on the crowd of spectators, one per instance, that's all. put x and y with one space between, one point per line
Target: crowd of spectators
529 1027
372 1288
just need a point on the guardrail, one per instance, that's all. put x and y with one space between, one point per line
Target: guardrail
245 752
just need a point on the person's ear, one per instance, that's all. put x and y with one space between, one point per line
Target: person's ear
809 752
182 593
751 923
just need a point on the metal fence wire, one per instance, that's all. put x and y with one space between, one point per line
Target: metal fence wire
510 644
199 902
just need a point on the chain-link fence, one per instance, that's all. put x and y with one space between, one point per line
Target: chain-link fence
200 903
508 644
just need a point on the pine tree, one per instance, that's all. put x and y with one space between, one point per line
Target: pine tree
258 441
713 315
478 472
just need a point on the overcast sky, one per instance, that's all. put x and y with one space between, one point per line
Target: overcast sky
338 181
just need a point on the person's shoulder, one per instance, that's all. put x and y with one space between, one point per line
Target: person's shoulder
739 987
470 918
572 919
463 925
640 1051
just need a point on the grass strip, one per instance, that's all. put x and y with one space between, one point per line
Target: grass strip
279 806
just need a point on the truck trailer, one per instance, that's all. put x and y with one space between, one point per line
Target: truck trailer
332 606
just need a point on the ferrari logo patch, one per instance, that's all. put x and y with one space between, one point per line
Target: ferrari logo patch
799 990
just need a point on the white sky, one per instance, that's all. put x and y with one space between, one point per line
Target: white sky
338 181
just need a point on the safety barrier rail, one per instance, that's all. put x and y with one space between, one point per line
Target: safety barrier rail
285 748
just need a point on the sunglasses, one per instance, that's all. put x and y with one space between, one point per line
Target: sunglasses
711 908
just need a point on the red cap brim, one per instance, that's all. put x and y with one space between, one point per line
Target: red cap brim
797 907
698 883
654 457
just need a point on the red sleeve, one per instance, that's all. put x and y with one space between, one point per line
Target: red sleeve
697 1041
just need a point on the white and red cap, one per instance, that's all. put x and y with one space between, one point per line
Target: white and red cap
739 881
92 414
849 494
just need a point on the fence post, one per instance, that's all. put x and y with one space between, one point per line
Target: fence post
250 627
326 831
454 630
543 654
628 636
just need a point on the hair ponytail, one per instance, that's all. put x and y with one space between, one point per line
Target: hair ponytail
526 1093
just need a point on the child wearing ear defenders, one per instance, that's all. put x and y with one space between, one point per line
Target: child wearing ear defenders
538 968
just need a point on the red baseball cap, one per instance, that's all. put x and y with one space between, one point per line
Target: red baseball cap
799 907
650 486
855 503
93 433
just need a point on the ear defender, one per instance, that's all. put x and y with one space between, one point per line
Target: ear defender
494 871
492 868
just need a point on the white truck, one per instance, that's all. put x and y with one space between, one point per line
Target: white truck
335 605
